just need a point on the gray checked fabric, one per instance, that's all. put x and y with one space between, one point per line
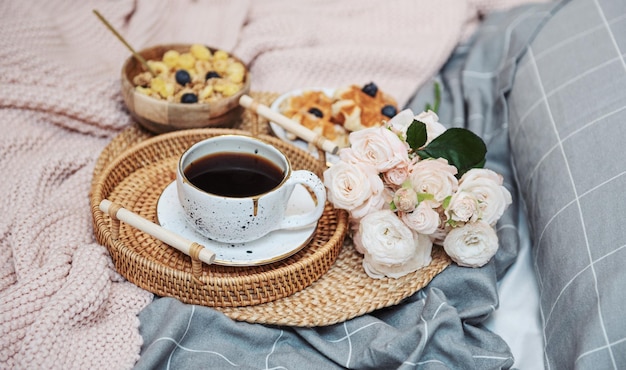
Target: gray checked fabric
567 132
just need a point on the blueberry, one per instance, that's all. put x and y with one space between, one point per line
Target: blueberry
389 111
316 112
182 77
212 74
189 98
370 89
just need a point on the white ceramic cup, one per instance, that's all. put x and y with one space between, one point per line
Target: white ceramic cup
232 219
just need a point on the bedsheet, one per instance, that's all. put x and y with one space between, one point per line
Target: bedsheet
458 321
60 105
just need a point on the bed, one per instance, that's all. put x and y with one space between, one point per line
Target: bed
544 84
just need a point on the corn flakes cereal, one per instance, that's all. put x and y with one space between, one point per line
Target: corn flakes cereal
209 76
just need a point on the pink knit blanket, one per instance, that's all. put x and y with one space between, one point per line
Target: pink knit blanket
62 304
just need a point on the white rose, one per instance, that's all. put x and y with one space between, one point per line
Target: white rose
378 147
356 240
486 186
423 254
390 247
435 177
348 155
401 122
424 219
354 187
433 127
463 207
471 245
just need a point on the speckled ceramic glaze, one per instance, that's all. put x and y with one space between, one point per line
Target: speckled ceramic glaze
239 220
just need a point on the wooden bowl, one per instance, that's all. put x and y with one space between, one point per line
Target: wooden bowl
161 116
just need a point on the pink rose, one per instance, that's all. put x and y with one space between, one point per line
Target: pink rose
424 219
440 234
486 187
397 175
435 177
390 247
377 147
471 245
354 187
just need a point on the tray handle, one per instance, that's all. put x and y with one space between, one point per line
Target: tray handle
197 252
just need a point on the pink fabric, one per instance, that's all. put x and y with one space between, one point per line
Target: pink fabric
62 305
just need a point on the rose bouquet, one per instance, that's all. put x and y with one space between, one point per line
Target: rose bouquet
412 183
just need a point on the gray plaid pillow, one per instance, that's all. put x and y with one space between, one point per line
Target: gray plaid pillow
568 133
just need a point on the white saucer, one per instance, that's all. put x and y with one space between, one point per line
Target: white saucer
282 134
273 247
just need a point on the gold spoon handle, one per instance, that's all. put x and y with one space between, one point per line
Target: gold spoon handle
135 54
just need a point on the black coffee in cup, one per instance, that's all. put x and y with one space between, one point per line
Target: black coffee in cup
237 189
234 174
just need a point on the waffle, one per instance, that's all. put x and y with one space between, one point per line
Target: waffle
355 110
312 109
349 109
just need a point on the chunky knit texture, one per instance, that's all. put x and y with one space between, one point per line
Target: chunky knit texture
62 305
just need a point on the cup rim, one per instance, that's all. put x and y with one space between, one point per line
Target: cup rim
181 170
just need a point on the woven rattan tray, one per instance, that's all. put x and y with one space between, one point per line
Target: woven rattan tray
322 284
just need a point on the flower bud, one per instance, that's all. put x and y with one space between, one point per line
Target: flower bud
405 199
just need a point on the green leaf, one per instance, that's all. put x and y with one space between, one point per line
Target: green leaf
437 92
392 206
446 202
462 148
481 164
416 135
437 97
424 196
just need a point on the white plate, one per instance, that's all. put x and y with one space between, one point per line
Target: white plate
280 132
273 247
